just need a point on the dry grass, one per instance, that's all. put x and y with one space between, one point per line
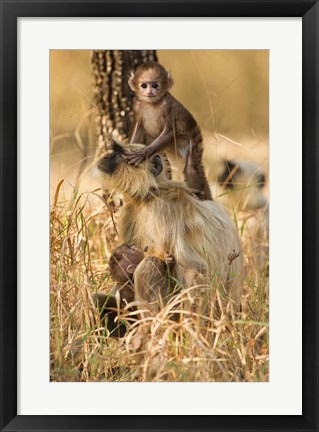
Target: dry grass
216 347
212 348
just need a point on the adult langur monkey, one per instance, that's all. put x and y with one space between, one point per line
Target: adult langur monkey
167 219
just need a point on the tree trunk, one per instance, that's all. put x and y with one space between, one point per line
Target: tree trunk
113 96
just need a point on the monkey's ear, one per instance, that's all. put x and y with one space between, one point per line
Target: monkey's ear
170 81
130 269
130 81
157 166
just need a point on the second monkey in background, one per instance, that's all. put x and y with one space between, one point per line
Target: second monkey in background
163 123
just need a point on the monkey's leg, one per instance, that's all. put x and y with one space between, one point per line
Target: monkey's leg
153 282
194 173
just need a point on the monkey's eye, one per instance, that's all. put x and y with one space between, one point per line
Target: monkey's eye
144 86
155 85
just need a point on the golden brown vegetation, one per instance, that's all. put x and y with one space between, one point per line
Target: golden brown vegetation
158 348
216 347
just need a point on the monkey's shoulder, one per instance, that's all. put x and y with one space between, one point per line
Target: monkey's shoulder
185 121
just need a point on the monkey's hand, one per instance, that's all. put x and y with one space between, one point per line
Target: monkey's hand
135 158
169 260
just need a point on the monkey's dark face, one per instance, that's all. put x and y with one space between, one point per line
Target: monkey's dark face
246 180
241 174
120 176
111 158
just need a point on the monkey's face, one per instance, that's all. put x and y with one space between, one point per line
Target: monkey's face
150 84
123 262
150 87
118 175
246 180
111 159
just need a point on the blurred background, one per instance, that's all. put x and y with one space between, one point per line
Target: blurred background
227 91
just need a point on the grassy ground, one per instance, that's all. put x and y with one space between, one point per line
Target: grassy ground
217 348
83 233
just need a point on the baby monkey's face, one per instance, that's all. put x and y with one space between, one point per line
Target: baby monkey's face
150 87
150 82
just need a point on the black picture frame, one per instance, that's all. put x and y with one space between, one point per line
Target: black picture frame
10 11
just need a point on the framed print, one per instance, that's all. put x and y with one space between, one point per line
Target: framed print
146 282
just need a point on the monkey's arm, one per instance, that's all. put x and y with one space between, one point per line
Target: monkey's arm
160 142
137 134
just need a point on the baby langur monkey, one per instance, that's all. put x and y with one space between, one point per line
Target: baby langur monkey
123 262
165 124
